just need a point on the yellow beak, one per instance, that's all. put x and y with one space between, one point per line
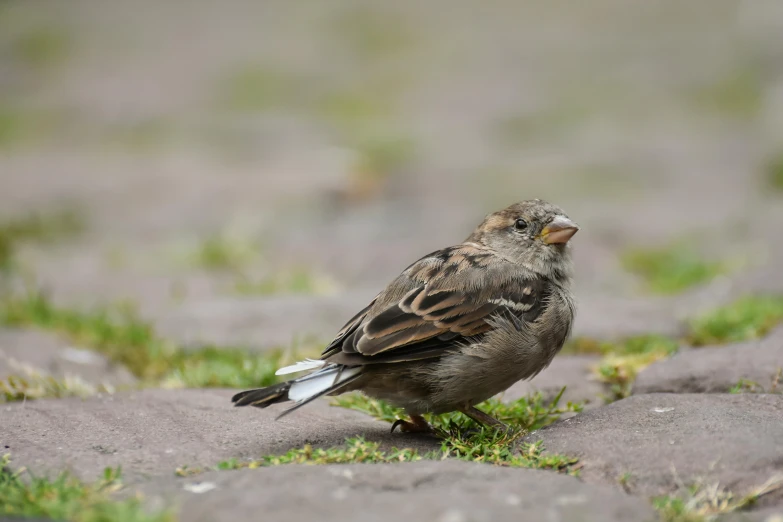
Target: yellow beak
559 231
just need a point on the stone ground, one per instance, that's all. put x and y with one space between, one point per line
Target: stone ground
265 127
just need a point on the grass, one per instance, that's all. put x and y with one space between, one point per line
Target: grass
487 446
375 408
36 228
22 125
618 373
225 253
29 383
383 155
14 127
67 498
747 318
582 346
524 414
295 281
702 503
230 254
499 449
356 450
381 148
353 110
748 386
671 269
363 122
254 88
622 360
464 439
373 36
42 47
120 334
739 94
233 254
219 367
774 172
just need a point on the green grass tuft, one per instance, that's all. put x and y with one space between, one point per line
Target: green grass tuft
702 503
356 450
485 445
42 47
29 383
219 367
36 228
257 89
674 509
464 439
351 111
498 448
295 281
13 126
775 172
747 386
582 346
67 498
383 155
375 408
524 414
233 255
738 94
748 318
623 360
363 123
120 334
222 252
21 125
671 269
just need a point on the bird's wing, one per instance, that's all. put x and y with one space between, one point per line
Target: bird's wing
438 301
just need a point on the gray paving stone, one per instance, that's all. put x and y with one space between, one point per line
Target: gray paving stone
445 491
47 354
663 439
715 369
152 432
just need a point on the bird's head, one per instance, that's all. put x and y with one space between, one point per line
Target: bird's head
533 233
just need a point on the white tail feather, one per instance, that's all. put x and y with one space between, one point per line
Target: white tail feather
317 383
307 364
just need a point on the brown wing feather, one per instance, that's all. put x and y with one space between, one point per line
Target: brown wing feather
439 300
350 327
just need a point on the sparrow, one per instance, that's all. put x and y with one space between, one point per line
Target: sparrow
456 327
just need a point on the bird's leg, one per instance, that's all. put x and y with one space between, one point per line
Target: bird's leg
482 418
417 424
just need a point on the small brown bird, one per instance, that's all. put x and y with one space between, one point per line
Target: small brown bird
457 327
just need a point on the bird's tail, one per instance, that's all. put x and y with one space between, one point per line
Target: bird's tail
301 391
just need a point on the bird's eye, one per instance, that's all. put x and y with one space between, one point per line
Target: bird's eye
520 224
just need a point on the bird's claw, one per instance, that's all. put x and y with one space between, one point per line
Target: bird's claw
417 424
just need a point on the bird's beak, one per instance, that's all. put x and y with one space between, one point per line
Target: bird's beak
559 231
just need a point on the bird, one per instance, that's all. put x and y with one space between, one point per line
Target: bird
455 328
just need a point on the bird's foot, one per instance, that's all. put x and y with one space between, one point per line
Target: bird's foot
485 420
417 424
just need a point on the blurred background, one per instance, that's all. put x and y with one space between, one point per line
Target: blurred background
249 172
